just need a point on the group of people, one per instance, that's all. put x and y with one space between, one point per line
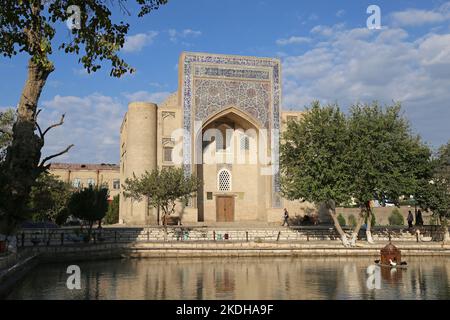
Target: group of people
410 219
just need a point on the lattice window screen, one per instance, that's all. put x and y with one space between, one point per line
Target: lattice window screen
224 180
245 142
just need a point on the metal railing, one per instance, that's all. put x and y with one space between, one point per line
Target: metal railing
73 236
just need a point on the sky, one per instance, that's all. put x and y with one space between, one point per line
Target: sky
327 52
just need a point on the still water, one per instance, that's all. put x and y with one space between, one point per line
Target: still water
239 278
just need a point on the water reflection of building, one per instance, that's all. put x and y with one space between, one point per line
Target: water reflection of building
242 278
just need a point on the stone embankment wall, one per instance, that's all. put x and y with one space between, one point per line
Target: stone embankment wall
66 236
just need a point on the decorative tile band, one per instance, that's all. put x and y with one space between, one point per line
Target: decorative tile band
207 71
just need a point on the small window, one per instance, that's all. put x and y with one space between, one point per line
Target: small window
90 182
76 183
168 154
245 142
116 184
209 196
224 180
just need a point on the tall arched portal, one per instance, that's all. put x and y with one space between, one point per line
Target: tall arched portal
220 92
228 163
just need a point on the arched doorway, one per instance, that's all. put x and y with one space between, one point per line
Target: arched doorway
227 163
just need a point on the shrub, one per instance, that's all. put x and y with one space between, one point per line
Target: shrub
352 221
89 204
112 216
396 218
341 219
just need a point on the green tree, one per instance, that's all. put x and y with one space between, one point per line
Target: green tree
112 216
163 188
7 119
341 220
90 205
313 160
396 218
49 198
384 159
30 27
434 193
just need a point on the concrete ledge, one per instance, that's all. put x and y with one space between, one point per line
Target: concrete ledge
10 276
221 249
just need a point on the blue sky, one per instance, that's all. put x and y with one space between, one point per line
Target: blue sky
327 53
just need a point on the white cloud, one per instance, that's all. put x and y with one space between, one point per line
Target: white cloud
340 13
293 40
416 17
326 30
353 65
155 97
138 41
175 35
92 124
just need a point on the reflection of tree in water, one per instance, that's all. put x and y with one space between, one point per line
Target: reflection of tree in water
323 278
418 282
224 281
237 278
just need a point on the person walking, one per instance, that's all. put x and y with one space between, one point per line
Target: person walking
410 219
285 218
419 219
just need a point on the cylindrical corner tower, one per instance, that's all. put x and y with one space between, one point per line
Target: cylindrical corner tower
139 154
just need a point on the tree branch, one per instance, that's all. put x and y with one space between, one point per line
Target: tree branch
55 155
37 114
55 125
40 132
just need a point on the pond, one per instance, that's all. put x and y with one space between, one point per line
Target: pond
240 278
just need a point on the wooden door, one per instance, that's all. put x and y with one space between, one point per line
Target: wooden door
225 209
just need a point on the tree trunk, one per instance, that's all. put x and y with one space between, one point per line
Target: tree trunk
369 224
444 224
446 235
23 155
355 232
91 224
164 217
332 209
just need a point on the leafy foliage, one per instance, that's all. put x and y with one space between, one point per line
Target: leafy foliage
396 218
112 216
371 154
30 26
163 188
89 204
434 193
341 219
7 119
384 159
313 156
49 199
